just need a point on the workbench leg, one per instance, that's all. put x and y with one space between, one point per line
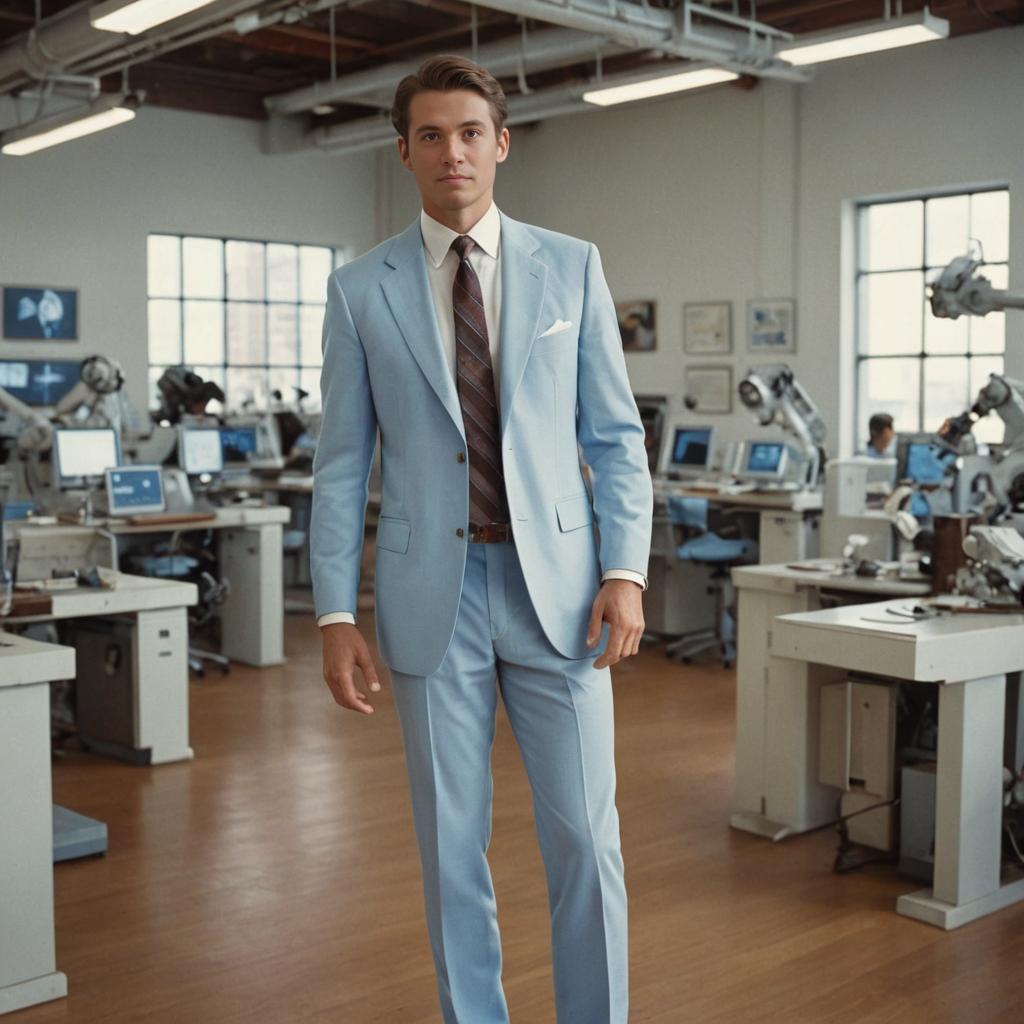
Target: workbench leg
252 617
28 974
969 808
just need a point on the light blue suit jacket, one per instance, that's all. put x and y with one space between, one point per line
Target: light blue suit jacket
385 367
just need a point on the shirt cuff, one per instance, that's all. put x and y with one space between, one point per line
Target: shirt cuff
626 574
326 620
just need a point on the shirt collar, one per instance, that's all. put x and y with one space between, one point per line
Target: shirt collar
437 239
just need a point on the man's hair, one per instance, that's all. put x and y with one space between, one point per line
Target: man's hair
879 422
446 73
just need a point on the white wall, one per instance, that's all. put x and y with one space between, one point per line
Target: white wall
78 215
727 194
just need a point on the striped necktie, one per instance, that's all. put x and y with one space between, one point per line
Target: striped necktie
475 380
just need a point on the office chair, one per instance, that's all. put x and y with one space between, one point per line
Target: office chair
707 547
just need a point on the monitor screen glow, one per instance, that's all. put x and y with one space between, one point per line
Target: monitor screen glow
39 382
691 447
765 458
200 450
238 443
84 454
133 489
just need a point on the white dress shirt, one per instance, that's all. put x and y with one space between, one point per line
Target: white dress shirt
485 259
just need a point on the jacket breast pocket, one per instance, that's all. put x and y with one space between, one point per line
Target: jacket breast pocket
574 513
393 534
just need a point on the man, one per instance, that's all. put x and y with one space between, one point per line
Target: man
487 353
881 437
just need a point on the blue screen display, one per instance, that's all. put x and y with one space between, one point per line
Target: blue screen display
237 443
38 382
691 447
764 458
926 463
135 488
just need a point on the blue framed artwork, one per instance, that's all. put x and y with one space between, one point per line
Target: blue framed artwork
33 314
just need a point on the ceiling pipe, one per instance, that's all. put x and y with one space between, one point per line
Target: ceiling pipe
373 133
63 42
546 49
627 26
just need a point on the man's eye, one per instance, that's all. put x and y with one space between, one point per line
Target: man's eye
473 131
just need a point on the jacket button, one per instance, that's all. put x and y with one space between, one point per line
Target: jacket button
460 532
461 457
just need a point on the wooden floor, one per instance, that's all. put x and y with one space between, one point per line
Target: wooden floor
274 879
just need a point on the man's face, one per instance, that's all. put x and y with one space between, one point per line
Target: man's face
453 150
884 438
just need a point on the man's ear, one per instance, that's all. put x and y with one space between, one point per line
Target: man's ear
403 153
503 144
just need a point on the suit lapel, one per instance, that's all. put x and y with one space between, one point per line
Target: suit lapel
407 292
523 284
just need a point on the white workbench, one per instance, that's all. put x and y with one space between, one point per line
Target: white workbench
249 548
28 971
158 710
969 657
777 790
788 521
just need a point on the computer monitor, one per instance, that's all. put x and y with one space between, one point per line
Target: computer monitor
765 460
81 455
688 451
923 460
653 410
199 450
39 382
238 444
132 489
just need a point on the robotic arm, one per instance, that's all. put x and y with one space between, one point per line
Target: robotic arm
774 395
960 289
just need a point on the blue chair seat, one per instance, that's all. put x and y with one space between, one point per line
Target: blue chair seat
711 548
169 566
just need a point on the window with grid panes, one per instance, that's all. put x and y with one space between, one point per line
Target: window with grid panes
245 314
916 366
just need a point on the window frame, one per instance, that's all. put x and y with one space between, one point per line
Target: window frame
859 356
339 256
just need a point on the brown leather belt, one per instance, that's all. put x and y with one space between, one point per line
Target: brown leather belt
492 533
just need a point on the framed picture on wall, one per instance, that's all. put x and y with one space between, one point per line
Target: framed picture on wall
709 388
637 325
707 328
771 325
34 314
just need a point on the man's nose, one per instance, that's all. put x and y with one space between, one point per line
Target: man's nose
453 152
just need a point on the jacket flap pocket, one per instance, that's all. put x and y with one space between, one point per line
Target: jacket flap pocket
574 512
393 534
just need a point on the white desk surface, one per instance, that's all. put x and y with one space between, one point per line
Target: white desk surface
131 594
24 661
794 501
866 637
784 578
290 482
224 518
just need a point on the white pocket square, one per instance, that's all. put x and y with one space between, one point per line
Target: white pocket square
557 327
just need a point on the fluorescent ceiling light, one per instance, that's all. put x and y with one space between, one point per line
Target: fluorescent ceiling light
871 37
647 87
71 124
135 16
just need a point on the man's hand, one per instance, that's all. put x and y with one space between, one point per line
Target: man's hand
344 650
618 603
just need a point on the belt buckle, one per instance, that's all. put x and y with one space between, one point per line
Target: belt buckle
490 533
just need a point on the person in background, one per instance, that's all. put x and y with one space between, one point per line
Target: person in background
881 437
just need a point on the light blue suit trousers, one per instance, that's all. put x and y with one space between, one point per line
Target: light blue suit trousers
561 713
